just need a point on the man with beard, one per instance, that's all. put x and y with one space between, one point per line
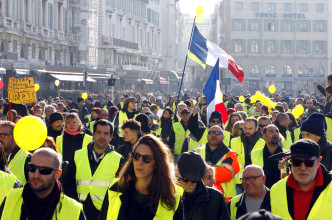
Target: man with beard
55 125
261 156
248 141
262 123
314 129
41 198
282 123
17 158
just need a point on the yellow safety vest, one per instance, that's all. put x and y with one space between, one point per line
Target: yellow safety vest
286 143
161 214
228 187
66 208
7 182
233 208
237 146
329 128
59 142
91 124
122 117
297 133
180 136
279 203
16 165
97 184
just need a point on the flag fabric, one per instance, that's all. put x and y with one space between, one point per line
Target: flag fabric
1 84
213 95
205 53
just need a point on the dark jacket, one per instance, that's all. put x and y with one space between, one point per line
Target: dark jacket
125 150
326 152
82 112
69 182
130 210
206 204
327 177
166 127
53 133
195 131
241 205
71 143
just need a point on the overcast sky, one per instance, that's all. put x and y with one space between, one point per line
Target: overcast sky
189 6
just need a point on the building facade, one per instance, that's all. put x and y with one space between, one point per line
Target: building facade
282 43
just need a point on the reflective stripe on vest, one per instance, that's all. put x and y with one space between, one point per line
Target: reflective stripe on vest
233 208
66 208
97 184
16 165
329 128
162 213
180 136
123 117
6 184
279 203
228 187
59 142
237 146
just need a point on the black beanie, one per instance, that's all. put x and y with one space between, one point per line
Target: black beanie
315 124
143 118
191 166
55 116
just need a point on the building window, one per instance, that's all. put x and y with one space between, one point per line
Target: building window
303 46
254 69
286 47
238 6
270 70
270 46
303 26
321 70
271 25
271 7
318 46
254 47
303 70
319 8
237 46
238 25
254 6
287 26
253 25
319 26
303 7
287 70
287 7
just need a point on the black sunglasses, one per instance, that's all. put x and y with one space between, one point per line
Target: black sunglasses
262 126
42 170
181 179
215 121
146 158
215 132
307 163
4 135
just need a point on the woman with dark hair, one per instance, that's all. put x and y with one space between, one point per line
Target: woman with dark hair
166 124
293 127
146 186
112 113
233 117
171 103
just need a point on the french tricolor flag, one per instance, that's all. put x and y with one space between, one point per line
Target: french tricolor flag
213 95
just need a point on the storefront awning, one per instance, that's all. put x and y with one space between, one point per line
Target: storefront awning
147 81
2 71
74 78
22 71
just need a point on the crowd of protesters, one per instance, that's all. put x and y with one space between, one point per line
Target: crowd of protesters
149 156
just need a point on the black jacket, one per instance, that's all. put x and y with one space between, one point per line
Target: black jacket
125 150
130 210
206 204
327 177
195 131
241 205
326 152
70 144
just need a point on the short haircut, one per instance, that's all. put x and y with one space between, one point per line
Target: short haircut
329 77
265 108
169 110
329 89
103 122
133 125
7 123
251 119
280 109
269 126
153 107
49 106
264 118
51 153
281 117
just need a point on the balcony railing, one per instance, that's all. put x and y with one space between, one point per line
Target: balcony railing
126 44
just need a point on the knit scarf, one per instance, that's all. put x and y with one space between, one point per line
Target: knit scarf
34 208
73 133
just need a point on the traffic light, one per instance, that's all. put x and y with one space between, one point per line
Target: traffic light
111 82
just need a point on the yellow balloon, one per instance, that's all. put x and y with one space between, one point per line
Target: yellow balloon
84 95
199 19
297 111
36 87
253 99
199 10
272 89
57 82
241 98
30 133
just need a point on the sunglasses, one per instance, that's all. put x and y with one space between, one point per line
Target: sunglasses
215 121
215 132
146 158
181 179
307 163
4 135
42 170
262 126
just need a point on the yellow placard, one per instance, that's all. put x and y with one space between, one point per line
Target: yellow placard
21 91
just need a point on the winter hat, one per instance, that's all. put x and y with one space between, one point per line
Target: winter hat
55 116
315 124
191 166
305 148
143 118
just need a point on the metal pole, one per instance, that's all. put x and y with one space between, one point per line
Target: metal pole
113 94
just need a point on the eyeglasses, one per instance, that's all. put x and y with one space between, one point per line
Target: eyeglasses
181 179
42 170
250 178
262 126
307 163
4 135
215 132
146 158
215 121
